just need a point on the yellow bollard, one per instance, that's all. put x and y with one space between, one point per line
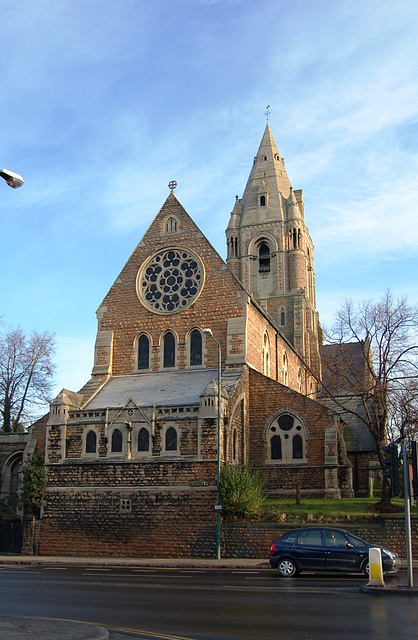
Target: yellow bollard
375 568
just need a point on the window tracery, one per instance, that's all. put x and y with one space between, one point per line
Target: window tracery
171 280
286 439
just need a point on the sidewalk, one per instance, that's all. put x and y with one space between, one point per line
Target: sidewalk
198 563
21 628
171 563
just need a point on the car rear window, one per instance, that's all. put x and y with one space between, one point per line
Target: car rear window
290 538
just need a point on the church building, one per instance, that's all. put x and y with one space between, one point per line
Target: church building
132 457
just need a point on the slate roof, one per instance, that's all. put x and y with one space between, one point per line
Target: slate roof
343 365
341 383
174 388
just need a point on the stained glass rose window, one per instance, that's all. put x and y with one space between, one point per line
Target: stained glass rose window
170 280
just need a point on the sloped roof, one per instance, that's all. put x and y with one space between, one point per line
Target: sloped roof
343 367
356 434
161 389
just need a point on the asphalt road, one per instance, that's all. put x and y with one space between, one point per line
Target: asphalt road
209 604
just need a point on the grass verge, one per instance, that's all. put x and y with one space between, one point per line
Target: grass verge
321 510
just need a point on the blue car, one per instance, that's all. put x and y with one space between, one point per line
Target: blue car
325 549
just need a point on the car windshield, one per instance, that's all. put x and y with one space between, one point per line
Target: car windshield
356 542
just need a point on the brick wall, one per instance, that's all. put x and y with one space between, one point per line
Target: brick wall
268 396
123 313
254 540
130 509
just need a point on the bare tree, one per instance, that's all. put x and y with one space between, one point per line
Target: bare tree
403 411
26 373
371 360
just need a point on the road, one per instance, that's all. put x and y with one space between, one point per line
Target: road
209 604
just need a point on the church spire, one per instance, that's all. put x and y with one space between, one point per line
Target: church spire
268 185
271 252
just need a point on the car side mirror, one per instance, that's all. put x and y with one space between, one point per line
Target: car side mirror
349 545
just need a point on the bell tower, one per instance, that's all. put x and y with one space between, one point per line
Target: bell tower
271 252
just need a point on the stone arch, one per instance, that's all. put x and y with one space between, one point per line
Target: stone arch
11 474
194 347
171 224
286 434
169 341
238 408
142 352
277 415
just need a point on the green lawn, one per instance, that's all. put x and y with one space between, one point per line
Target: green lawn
321 510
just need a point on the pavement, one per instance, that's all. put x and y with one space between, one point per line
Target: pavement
22 628
201 563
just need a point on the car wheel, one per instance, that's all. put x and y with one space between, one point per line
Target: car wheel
287 568
366 568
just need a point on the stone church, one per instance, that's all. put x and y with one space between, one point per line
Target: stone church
132 457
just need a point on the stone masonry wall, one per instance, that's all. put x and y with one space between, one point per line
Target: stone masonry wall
154 510
254 540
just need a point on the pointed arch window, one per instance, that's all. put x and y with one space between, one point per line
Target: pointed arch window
117 442
143 439
235 445
171 225
195 348
276 448
169 349
286 439
282 317
266 355
143 352
171 440
91 442
262 201
297 447
285 369
264 258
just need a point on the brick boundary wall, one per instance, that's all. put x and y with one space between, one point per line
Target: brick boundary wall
248 540
243 540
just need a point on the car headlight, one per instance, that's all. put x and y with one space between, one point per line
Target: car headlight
390 553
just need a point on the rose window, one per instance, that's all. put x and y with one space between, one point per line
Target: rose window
170 280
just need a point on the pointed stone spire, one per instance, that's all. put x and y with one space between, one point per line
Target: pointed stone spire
268 185
293 210
235 214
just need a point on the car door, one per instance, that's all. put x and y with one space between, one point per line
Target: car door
341 553
310 550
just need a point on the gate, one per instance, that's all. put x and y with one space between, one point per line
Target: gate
11 536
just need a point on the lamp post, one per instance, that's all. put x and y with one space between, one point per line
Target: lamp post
218 506
14 180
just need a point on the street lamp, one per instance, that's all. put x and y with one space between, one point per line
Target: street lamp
14 180
218 505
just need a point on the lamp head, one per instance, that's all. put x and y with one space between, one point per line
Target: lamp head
208 332
13 179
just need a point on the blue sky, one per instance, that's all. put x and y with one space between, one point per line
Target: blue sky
103 103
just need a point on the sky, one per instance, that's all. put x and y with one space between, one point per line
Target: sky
103 103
